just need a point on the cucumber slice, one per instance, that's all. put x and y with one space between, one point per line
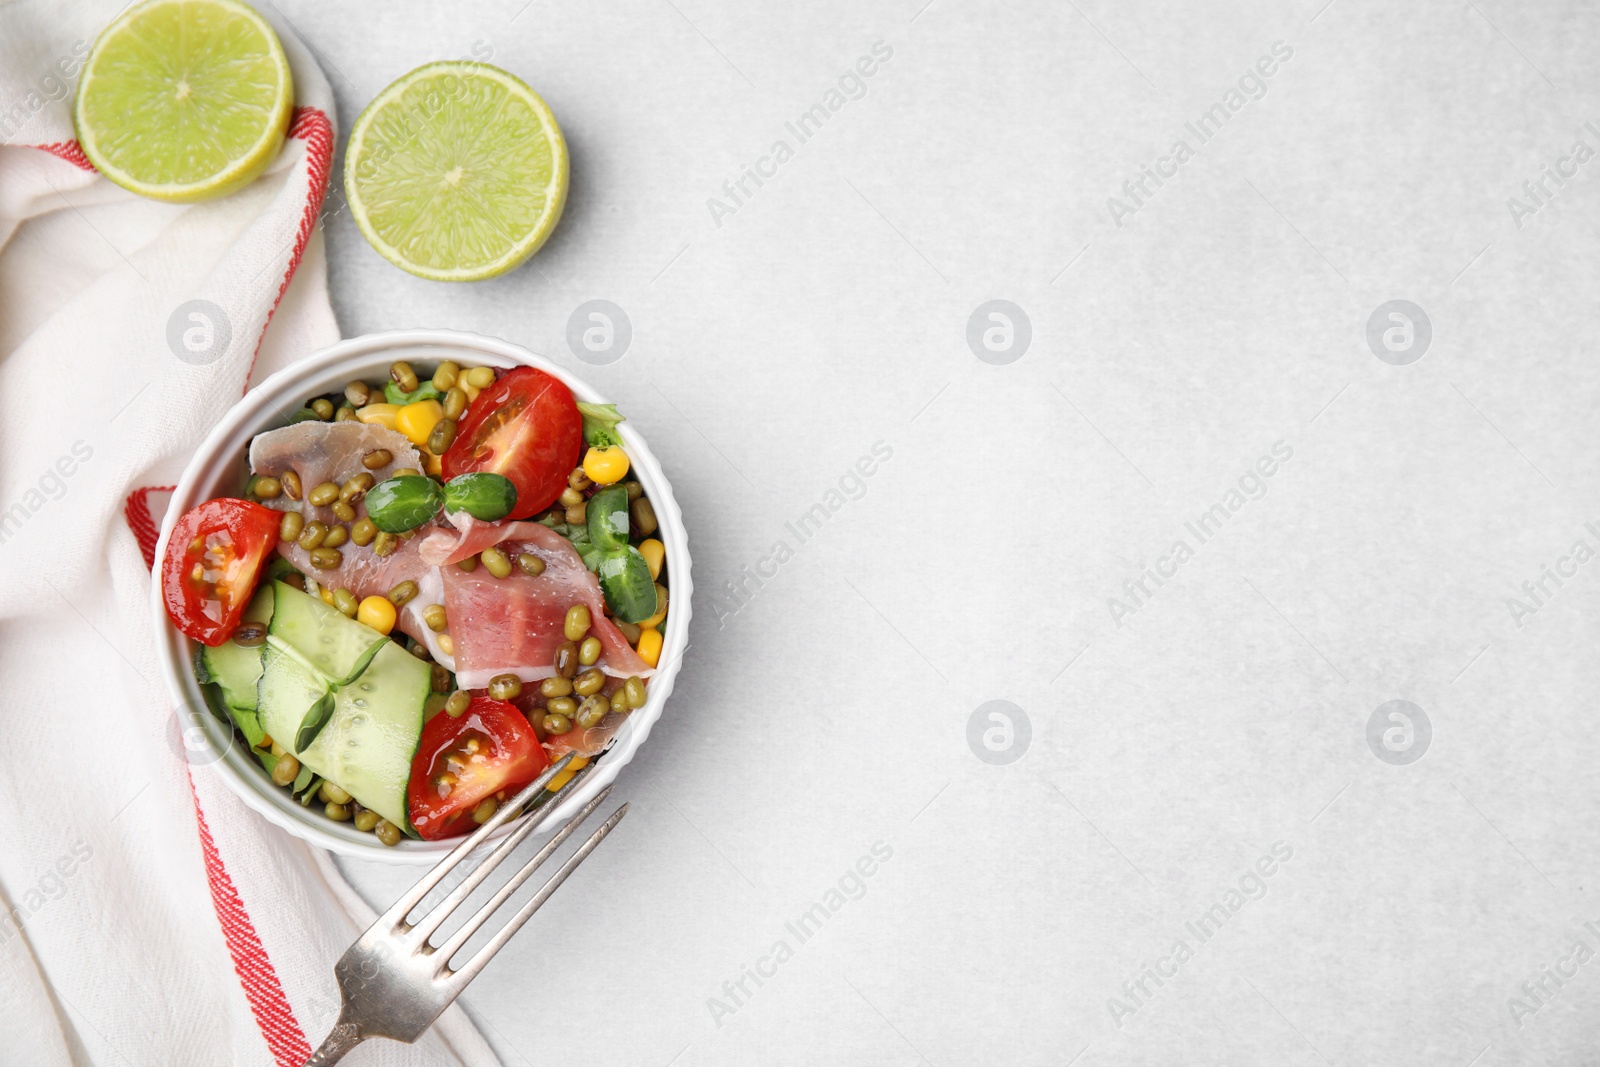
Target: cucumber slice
625 580
367 744
287 693
336 647
608 518
346 700
233 668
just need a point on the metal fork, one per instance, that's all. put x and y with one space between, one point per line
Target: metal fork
393 983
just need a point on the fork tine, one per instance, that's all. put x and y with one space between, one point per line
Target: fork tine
427 923
396 915
458 979
470 927
436 916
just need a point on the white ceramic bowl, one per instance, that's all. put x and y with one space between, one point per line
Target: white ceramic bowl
217 469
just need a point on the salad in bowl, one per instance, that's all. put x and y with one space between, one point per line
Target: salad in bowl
404 593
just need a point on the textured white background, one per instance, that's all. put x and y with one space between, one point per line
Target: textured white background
1229 712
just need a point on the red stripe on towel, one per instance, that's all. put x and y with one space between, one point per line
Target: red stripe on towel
145 531
256 974
312 126
69 151
308 124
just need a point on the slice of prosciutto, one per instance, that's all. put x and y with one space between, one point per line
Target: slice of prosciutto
513 625
363 571
331 452
326 452
444 546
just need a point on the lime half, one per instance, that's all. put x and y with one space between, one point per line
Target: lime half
184 99
456 172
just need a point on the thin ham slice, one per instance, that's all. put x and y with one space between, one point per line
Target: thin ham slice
444 546
331 452
513 625
326 452
430 590
363 572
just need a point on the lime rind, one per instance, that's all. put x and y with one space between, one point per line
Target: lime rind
219 52
457 172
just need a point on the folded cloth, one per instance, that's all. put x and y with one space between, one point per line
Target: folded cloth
150 917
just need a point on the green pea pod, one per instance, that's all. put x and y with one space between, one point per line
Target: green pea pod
608 519
481 494
403 503
625 580
396 395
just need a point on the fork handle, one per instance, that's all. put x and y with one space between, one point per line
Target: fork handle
345 1036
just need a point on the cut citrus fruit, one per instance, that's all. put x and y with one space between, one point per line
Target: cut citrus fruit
184 99
456 172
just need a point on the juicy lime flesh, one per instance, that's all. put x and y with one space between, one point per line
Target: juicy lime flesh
183 92
455 172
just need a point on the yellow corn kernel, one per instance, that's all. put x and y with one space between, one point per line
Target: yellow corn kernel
661 610
327 596
416 421
655 554
447 644
471 390
578 763
650 646
379 414
435 464
605 466
377 612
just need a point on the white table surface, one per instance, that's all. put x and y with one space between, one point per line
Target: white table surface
1173 746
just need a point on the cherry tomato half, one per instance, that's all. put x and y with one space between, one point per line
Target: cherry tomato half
490 749
213 559
525 426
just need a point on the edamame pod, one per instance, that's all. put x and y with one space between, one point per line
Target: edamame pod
608 519
396 505
625 580
481 494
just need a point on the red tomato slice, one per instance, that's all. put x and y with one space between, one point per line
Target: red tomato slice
490 749
212 561
525 426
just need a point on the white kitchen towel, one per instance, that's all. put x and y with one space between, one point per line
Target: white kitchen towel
150 917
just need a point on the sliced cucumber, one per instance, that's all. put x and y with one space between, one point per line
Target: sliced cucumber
625 580
608 518
347 701
234 668
287 694
367 744
336 647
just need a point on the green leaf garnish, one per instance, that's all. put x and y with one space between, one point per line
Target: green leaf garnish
600 424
